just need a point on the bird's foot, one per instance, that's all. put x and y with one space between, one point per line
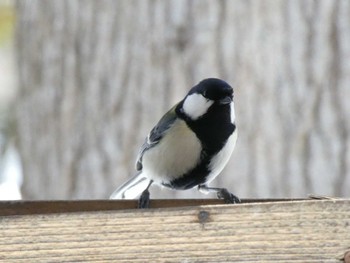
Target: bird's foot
144 199
228 197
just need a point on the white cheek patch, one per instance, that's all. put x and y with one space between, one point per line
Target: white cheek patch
233 116
195 105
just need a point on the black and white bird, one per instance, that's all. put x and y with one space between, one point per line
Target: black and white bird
189 146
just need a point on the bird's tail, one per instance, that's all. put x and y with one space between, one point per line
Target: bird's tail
131 188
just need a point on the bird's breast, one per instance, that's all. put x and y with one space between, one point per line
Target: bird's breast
178 152
219 160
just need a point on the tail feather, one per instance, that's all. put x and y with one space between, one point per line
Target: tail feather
131 188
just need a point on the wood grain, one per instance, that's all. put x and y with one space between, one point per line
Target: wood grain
49 207
297 231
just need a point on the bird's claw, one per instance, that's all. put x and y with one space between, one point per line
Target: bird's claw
144 199
228 197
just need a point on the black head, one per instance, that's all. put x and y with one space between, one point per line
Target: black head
205 95
213 89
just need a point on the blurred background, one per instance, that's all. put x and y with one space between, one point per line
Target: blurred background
83 82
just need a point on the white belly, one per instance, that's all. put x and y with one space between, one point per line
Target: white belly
173 156
219 161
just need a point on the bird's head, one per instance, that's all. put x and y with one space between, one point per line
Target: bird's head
208 93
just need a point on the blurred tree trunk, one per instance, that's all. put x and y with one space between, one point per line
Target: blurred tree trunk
96 75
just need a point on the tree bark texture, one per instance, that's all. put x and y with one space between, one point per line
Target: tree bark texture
95 76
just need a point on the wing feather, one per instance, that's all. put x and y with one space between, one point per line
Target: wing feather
156 134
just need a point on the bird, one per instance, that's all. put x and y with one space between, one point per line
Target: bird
189 146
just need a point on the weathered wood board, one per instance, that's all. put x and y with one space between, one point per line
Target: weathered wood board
291 231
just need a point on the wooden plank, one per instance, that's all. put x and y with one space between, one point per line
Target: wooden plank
299 231
48 207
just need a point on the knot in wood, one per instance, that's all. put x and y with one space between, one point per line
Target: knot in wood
203 216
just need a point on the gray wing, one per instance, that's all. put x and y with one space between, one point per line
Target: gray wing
156 134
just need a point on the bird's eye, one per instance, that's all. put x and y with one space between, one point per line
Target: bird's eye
205 94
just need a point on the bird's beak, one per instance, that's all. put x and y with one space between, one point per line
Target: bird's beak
226 100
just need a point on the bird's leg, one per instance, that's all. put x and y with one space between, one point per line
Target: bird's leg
144 198
222 193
